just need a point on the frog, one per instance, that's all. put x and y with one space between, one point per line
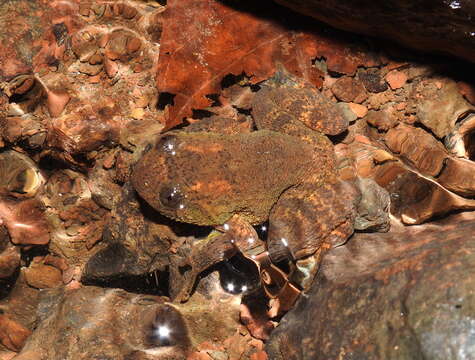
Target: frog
283 172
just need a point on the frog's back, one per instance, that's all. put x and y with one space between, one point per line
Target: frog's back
216 175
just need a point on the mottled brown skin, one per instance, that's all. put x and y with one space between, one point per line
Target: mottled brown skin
205 178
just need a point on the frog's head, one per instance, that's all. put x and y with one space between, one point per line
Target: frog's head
178 178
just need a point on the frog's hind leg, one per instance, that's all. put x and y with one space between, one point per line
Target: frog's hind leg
305 222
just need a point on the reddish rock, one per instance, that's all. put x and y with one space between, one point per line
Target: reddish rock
396 79
260 355
9 259
359 110
26 221
349 89
12 334
42 276
417 146
467 90
382 119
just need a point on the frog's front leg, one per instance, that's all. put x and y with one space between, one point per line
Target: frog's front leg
305 222
194 257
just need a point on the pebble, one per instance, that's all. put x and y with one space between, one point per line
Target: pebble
359 110
396 79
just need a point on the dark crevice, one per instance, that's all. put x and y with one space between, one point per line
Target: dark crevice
6 285
165 99
201 114
153 283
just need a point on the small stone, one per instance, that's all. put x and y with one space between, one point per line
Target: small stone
348 114
137 113
199 355
142 101
383 119
133 45
372 81
43 276
111 67
260 355
129 12
359 110
396 79
348 89
400 106
89 69
95 59
104 40
12 334
84 9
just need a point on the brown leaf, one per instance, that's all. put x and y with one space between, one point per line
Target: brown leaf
203 41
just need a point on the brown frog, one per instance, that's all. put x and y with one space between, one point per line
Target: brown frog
284 172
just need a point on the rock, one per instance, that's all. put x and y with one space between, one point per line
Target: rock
12 334
438 104
25 220
9 260
77 222
415 25
123 325
372 81
139 248
347 113
42 276
349 89
21 303
382 119
396 79
400 295
359 110
468 91
19 175
417 146
373 208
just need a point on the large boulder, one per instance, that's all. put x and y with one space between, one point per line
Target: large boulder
444 26
406 294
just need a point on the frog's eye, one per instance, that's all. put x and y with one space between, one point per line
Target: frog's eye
170 197
167 143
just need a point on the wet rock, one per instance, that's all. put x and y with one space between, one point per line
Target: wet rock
416 25
25 220
43 276
77 222
9 258
19 175
21 302
404 294
125 325
12 334
119 324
